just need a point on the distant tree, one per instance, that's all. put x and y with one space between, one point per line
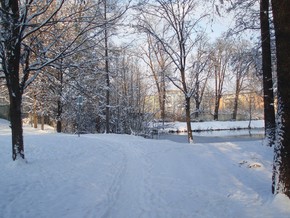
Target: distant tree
111 13
281 166
158 62
179 41
220 60
130 89
201 73
241 64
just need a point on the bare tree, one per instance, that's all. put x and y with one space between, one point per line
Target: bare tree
158 62
112 12
178 18
201 73
220 60
241 64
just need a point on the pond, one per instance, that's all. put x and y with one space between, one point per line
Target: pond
215 136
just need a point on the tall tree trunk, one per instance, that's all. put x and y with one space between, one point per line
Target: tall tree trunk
281 166
162 101
10 63
187 101
107 71
59 102
196 96
269 111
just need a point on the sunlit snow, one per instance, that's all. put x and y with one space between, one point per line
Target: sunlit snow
123 176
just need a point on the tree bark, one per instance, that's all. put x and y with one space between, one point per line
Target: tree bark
16 125
269 111
59 100
10 62
235 111
236 100
35 116
188 120
281 166
107 71
42 122
216 107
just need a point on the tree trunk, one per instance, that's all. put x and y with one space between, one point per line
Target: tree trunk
59 100
35 117
188 120
197 109
269 111
235 111
236 100
11 47
107 71
281 166
42 122
162 102
196 96
16 126
58 116
216 107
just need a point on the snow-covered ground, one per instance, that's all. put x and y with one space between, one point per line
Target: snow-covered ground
122 176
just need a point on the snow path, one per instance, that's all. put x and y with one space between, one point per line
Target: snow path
112 176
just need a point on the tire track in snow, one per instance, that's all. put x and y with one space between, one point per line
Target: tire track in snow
114 189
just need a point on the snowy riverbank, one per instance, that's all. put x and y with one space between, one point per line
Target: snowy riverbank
209 125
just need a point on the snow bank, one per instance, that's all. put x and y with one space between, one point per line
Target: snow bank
210 125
